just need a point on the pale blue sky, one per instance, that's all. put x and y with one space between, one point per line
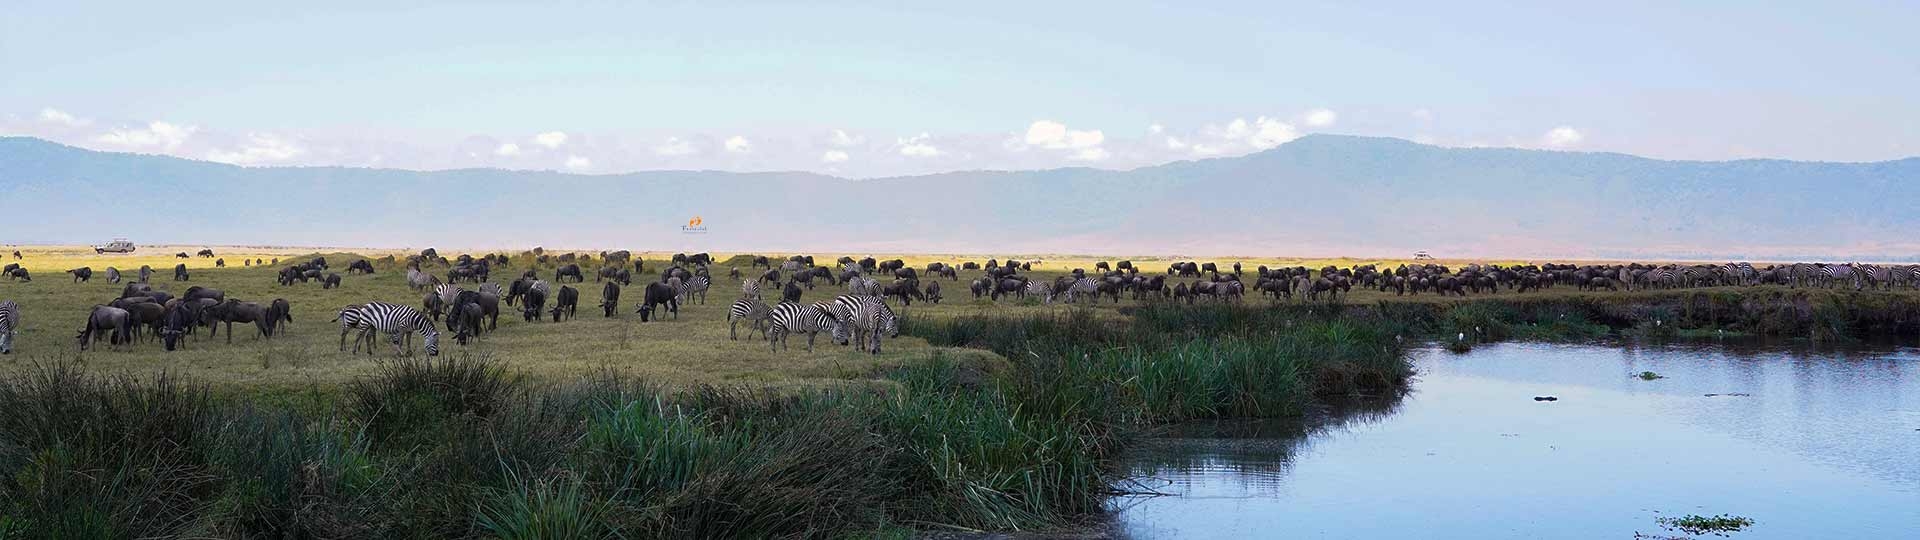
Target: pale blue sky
641 86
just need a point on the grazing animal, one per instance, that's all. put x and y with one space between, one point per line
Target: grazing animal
571 270
81 274
790 293
113 275
567 302
532 304
610 298
180 272
116 322
20 274
398 321
658 294
175 323
351 319
360 267
197 292
207 253
790 318
750 289
331 281
751 310
9 325
695 287
219 263
863 319
146 273
279 311
233 311
933 292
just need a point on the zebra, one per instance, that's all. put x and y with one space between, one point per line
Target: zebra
351 319
789 318
417 280
863 319
750 289
1041 289
751 310
447 292
9 325
1839 274
1082 287
491 288
398 321
693 287
790 266
1873 276
863 286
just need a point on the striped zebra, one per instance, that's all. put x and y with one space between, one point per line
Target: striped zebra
750 289
1839 275
351 320
1910 274
417 280
751 310
1873 276
9 325
788 318
790 267
447 292
863 319
491 288
1082 288
693 287
863 286
1040 289
397 322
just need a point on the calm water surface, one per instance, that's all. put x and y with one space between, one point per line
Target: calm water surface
1825 445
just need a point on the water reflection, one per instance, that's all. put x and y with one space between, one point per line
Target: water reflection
1822 444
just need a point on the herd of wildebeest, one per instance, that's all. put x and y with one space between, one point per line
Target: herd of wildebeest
862 315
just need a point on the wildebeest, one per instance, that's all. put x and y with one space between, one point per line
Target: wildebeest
146 273
20 274
569 270
532 303
233 311
219 263
181 255
180 272
565 302
207 253
790 293
140 314
175 323
197 292
81 274
760 261
433 305
278 312
906 290
658 294
114 321
361 266
933 292
331 281
610 298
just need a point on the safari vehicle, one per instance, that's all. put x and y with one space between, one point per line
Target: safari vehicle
118 245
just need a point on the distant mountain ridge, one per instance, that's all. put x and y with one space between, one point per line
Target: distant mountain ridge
1317 195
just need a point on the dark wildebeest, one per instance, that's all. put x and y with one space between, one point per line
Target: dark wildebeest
467 311
219 263
568 270
661 294
360 267
433 304
770 276
979 288
81 274
140 314
146 273
565 302
905 273
610 298
532 304
278 312
761 261
233 311
181 255
197 292
790 293
113 275
114 321
1180 293
1013 286
905 289
175 323
20 274
180 272
207 253
970 265
933 291
331 281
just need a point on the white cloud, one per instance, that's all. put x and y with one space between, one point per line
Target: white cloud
675 146
833 156
163 135
578 163
739 145
1271 132
1322 118
1156 129
1089 154
551 139
1423 115
1174 143
51 115
917 146
843 139
261 148
1563 137
1055 135
507 149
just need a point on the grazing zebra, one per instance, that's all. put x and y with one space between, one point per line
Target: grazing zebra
350 320
750 289
790 266
1872 276
1082 288
1040 289
9 324
693 287
863 286
863 319
491 288
397 322
1839 274
788 318
417 280
751 310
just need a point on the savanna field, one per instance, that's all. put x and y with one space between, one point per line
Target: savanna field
980 416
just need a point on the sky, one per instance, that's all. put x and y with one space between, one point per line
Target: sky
882 89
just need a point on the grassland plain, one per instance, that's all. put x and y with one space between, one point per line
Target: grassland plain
980 417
